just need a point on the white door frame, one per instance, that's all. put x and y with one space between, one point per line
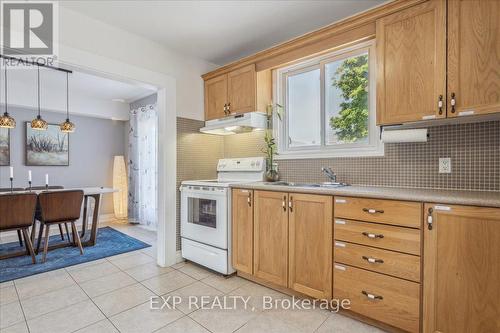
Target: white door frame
167 134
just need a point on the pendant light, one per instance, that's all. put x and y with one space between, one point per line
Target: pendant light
67 126
6 121
38 123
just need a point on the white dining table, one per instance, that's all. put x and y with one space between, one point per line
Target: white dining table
95 193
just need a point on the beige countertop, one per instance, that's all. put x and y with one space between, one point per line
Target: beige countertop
472 198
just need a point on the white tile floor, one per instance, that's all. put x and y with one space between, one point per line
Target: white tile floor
113 295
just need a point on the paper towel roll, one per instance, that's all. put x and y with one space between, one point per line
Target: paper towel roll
406 135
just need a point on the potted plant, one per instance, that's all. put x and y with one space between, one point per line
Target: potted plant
270 149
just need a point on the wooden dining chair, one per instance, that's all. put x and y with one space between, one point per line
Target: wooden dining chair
17 211
41 188
59 207
15 189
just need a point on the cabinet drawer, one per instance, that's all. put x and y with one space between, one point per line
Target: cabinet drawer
397 264
381 297
383 236
402 213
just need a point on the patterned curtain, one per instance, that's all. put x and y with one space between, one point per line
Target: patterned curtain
142 166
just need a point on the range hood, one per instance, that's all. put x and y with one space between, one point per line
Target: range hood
235 124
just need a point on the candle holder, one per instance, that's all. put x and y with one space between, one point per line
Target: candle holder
46 187
29 185
11 184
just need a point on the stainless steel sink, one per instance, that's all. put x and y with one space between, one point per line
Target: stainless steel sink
325 185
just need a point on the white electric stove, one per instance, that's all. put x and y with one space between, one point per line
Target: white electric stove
206 212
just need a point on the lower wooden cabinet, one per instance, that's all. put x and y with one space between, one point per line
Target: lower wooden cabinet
461 269
270 245
310 245
290 244
242 230
381 297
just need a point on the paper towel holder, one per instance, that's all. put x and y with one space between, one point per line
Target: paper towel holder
382 129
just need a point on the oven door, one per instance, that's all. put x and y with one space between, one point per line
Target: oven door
204 215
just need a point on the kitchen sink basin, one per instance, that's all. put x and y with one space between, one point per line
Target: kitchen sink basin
324 185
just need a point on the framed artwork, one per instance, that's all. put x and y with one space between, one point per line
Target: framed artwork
47 148
4 146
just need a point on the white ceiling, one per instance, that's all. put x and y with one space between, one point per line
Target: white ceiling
54 83
90 95
220 31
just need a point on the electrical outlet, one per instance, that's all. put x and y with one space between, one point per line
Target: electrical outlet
444 165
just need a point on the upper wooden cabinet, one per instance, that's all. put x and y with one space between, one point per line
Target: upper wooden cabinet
411 62
414 62
239 91
271 237
216 97
473 57
242 230
461 269
310 244
242 90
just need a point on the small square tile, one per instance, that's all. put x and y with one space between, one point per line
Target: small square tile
195 271
144 319
123 299
53 300
87 273
223 283
107 283
67 320
191 296
168 282
10 314
183 325
8 294
21 327
133 260
147 271
103 326
43 283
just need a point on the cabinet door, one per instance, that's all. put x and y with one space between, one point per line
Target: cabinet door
215 97
473 57
310 244
462 269
271 237
242 90
411 62
242 230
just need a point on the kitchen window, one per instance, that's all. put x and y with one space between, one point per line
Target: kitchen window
329 106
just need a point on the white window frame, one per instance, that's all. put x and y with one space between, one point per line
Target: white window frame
374 147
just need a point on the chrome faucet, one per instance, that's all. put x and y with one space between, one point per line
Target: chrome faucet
330 174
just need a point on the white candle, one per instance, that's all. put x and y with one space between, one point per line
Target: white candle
46 179
29 175
11 172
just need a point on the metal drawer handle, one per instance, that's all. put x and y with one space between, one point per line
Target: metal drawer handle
373 211
373 260
249 199
371 296
370 235
283 203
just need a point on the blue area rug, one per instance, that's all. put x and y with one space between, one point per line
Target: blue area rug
110 242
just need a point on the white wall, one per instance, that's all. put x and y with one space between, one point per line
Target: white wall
90 35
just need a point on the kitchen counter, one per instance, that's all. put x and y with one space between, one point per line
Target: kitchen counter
452 197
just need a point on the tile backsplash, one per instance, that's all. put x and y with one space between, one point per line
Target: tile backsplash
474 150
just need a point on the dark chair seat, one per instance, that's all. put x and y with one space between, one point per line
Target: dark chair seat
17 211
59 207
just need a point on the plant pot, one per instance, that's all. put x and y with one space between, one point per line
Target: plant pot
272 176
